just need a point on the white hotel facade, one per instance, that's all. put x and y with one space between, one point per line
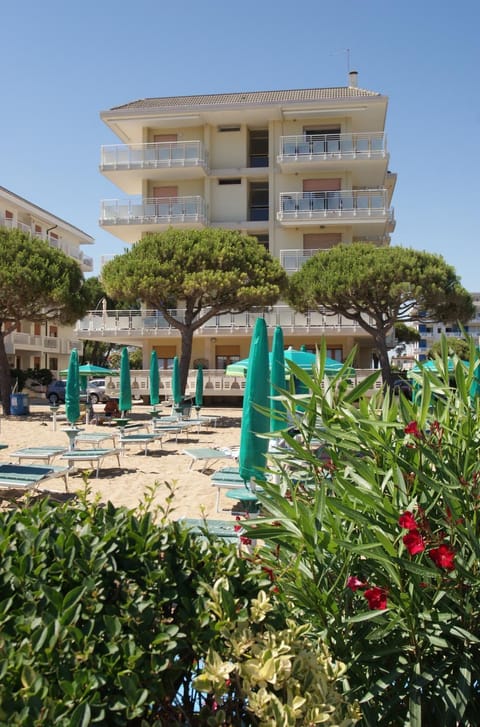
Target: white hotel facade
301 170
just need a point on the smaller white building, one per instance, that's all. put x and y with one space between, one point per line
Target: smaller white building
48 345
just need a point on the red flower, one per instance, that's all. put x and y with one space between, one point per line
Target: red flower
407 521
443 557
377 598
414 542
355 583
412 428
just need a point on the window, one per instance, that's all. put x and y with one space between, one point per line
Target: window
223 129
263 240
258 205
258 148
37 329
53 332
53 364
225 355
234 180
36 362
323 141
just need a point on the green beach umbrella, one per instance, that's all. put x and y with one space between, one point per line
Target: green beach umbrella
154 379
72 389
277 381
125 394
253 449
176 388
199 388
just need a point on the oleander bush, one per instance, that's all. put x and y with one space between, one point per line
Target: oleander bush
372 528
107 616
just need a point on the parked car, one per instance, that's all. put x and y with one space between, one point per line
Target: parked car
96 391
56 392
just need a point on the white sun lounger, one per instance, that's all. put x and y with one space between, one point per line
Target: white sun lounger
45 454
92 456
144 439
209 454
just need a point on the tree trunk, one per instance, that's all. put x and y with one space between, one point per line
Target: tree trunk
382 350
187 343
5 378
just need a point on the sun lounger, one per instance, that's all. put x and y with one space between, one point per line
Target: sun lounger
172 429
95 438
229 530
45 454
144 439
227 478
28 477
90 455
246 497
209 454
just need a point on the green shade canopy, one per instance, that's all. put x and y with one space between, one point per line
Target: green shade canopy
253 449
303 359
154 379
92 370
199 388
125 394
72 389
277 381
176 388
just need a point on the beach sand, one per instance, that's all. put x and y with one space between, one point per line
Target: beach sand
195 496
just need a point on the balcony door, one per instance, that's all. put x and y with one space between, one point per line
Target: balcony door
322 194
162 200
163 152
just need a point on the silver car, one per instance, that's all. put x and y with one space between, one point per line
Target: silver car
96 391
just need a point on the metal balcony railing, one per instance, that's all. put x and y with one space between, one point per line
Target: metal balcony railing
292 260
164 210
366 145
154 155
349 204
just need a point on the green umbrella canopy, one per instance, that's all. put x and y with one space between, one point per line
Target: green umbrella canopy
277 381
125 394
92 370
303 359
199 388
176 388
253 449
72 389
154 379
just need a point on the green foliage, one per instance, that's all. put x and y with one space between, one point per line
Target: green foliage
107 615
405 333
203 272
380 286
456 346
134 357
373 531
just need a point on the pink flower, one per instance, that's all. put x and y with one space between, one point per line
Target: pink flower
407 521
355 583
412 428
443 557
414 542
377 598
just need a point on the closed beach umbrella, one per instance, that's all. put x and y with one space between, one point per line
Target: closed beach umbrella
72 389
154 379
176 388
199 388
125 395
277 381
253 449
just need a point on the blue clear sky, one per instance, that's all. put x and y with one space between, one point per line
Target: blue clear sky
63 63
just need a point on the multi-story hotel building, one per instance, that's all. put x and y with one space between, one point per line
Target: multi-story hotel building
301 170
43 345
430 333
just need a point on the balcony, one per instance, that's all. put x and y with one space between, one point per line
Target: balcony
351 207
125 165
292 260
151 215
134 326
330 152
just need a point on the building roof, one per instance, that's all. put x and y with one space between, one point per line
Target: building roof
248 98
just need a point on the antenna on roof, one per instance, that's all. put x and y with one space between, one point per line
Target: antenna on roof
347 51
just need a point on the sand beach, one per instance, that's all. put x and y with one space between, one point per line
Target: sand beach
127 484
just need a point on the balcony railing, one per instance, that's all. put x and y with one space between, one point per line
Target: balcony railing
155 155
164 210
292 260
138 324
337 146
68 248
349 204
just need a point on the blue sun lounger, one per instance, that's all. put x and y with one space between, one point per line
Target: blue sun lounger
23 477
91 456
45 454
